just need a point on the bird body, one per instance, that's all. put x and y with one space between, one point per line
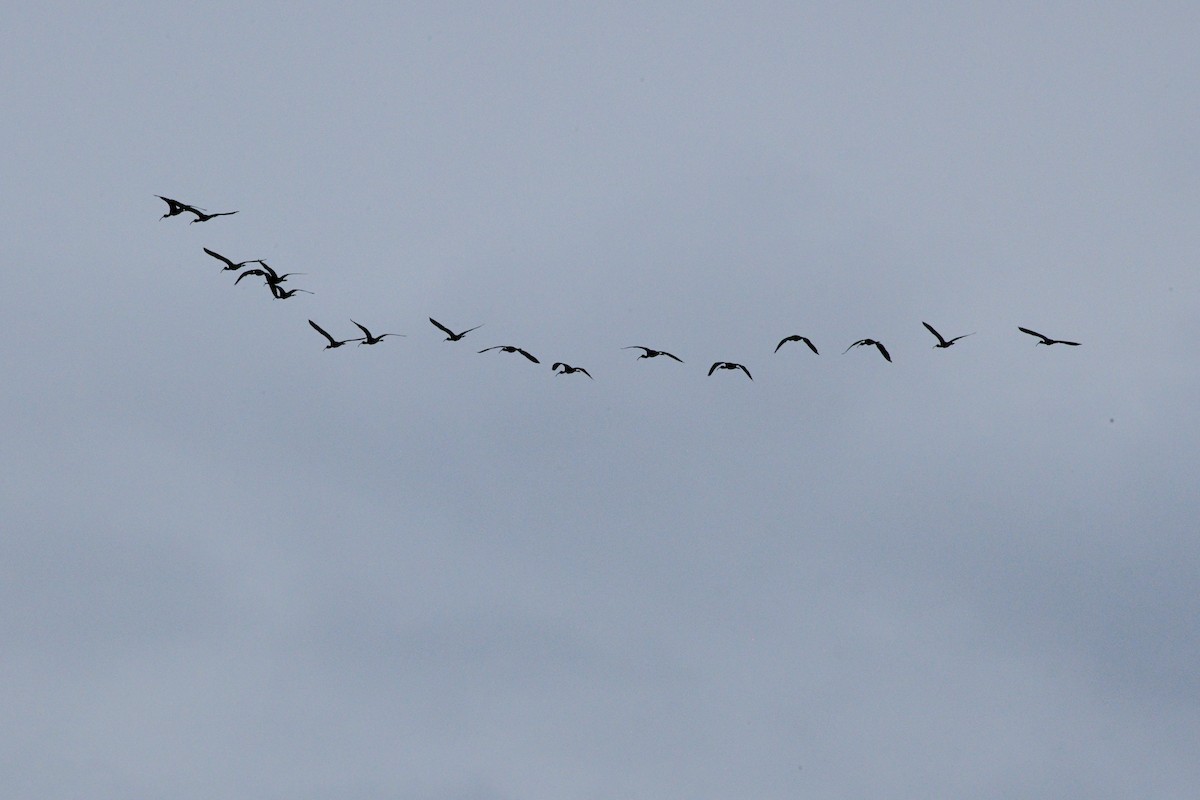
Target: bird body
451 336
942 342
867 343
567 369
729 365
652 353
510 349
1045 339
796 338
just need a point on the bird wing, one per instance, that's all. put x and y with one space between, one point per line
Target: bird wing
883 351
1073 344
742 367
784 341
220 257
322 331
638 347
366 332
441 327
851 347
935 333
669 355
557 364
468 330
585 372
249 272
713 368
1032 333
527 355
808 342
956 338
493 347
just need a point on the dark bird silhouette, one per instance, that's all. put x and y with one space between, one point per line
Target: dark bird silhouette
451 336
283 294
173 207
332 341
373 339
729 365
229 265
567 369
269 275
796 338
510 349
650 353
202 217
1045 339
944 342
868 342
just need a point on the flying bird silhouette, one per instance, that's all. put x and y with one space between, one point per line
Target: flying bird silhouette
229 265
651 353
729 365
202 217
945 342
283 294
451 336
796 338
510 349
567 369
1045 339
868 342
373 339
173 207
333 343
268 274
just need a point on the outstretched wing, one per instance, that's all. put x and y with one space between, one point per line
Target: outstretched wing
742 367
668 355
811 346
527 355
935 333
441 327
366 332
258 272
220 257
1032 333
584 371
785 340
851 347
1073 344
713 368
557 364
322 331
883 351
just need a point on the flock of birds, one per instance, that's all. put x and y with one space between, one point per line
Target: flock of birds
274 280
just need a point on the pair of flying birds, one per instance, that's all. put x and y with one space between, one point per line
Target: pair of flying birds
174 208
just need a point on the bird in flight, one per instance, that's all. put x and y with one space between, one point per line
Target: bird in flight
283 294
510 349
567 369
229 265
332 341
1046 339
650 353
796 338
373 339
944 342
268 274
175 207
729 365
868 342
451 336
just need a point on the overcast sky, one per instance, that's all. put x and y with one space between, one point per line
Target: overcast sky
234 564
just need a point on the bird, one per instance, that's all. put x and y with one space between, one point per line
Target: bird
451 336
173 207
284 294
267 274
796 338
373 339
1046 339
868 342
510 349
202 217
333 343
567 369
650 353
229 265
944 342
729 365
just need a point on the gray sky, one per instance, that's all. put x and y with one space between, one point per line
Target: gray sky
236 565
